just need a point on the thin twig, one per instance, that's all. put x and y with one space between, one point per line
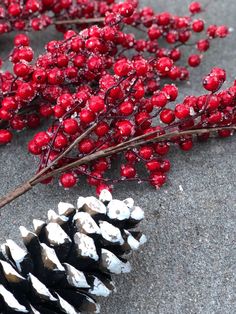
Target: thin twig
81 21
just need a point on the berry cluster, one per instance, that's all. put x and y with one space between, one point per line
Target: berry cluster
38 14
122 122
100 98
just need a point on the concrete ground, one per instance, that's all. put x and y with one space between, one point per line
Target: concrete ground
188 265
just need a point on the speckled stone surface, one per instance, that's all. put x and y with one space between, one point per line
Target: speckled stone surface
188 265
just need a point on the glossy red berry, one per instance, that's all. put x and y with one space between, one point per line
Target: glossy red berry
195 7
71 126
68 180
167 116
96 104
194 60
127 171
42 139
164 65
182 111
5 136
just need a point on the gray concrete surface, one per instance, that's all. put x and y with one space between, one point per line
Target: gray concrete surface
188 265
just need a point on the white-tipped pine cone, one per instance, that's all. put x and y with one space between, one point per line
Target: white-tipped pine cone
69 260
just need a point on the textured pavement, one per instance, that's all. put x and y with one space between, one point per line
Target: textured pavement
188 265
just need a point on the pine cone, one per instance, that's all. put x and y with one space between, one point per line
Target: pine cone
70 259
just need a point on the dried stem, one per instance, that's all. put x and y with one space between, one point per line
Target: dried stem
81 21
137 141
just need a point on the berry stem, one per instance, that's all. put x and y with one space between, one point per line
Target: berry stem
80 21
137 141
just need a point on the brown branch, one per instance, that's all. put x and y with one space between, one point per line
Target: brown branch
137 141
81 21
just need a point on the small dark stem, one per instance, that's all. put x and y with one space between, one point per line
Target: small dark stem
80 21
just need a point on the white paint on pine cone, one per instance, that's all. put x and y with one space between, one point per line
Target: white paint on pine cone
65 306
137 213
105 196
110 232
54 217
63 207
34 311
24 232
11 273
38 224
117 209
143 239
80 202
86 223
95 205
113 264
86 246
17 253
50 255
40 288
11 301
56 235
75 277
133 243
99 289
129 202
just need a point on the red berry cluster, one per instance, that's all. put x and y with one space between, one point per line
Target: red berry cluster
115 120
98 94
38 14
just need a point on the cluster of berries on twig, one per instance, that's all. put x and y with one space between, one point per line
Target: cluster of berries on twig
35 15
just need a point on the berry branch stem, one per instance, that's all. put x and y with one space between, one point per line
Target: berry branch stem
80 21
137 141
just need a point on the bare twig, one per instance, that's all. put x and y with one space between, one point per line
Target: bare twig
81 21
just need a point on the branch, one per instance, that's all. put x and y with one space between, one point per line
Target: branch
137 141
81 21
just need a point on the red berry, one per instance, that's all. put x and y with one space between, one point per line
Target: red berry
125 127
126 108
195 7
42 139
198 26
68 180
5 136
60 141
21 69
167 116
21 40
182 111
159 99
162 148
186 144
33 148
86 146
25 91
157 179
153 165
194 60
212 83
146 152
127 171
122 67
171 91
164 65
101 129
96 104
71 126
86 116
